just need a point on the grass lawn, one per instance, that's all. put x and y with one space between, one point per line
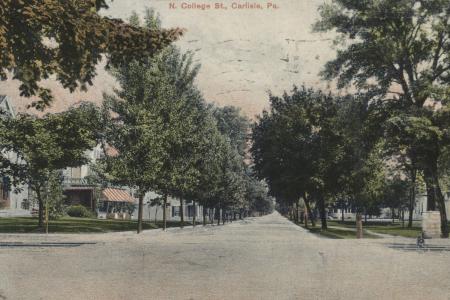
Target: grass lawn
76 225
395 229
337 233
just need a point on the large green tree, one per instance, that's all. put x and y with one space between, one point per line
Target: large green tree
298 149
46 145
39 39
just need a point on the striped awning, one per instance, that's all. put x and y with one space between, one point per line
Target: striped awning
116 195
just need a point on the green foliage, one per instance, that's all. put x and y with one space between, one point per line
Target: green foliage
299 149
79 211
166 137
257 196
158 201
234 125
396 192
130 208
156 131
53 196
68 39
296 146
43 146
398 52
75 225
403 42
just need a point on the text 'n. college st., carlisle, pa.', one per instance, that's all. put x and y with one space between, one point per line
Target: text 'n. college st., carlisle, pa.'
223 5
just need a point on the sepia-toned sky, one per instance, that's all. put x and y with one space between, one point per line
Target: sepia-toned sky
243 53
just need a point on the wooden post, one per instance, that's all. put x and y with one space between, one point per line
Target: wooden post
359 228
195 214
140 211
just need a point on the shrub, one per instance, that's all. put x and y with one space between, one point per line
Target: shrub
80 211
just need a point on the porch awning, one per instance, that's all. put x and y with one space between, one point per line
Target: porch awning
116 195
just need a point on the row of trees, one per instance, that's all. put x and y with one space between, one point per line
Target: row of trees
165 138
168 140
374 144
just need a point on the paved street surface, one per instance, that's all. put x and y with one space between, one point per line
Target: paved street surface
259 258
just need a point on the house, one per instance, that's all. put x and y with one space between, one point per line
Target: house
172 211
78 185
13 202
114 202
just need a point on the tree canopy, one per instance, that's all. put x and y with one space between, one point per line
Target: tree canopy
398 52
39 39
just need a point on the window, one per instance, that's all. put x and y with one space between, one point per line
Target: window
190 211
175 211
4 189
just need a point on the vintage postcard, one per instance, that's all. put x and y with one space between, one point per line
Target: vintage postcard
222 149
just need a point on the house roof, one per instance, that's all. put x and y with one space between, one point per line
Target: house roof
111 151
116 195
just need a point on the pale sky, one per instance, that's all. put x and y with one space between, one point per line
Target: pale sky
243 53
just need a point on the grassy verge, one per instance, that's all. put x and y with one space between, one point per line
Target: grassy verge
395 229
337 233
76 225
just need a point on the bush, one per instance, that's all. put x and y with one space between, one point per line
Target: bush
79 211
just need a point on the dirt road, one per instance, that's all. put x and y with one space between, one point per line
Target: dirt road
259 258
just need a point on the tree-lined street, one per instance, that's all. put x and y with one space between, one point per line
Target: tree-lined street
258 258
343 157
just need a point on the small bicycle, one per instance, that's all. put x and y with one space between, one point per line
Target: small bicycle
421 241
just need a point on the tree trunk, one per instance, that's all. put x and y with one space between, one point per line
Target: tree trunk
41 208
297 214
393 215
306 218
156 214
165 212
218 216
431 192
308 211
359 228
195 214
204 216
223 217
323 214
181 212
140 212
403 217
46 216
412 197
342 214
